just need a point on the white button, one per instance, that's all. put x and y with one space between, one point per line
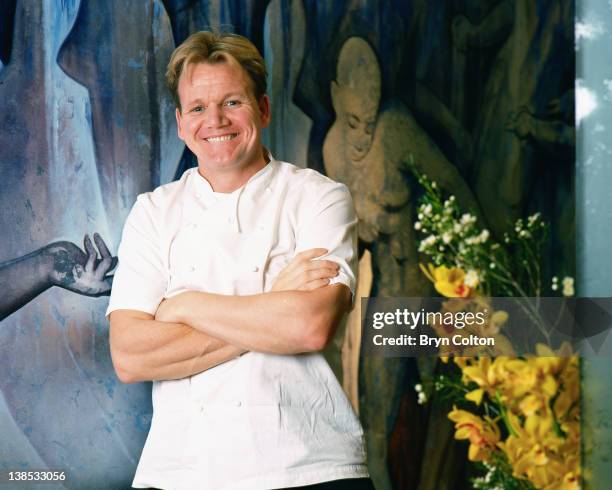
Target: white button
193 226
262 228
198 195
192 268
255 268
268 189
238 403
230 220
202 407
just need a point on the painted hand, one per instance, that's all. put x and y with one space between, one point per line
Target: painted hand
304 273
461 32
82 272
520 123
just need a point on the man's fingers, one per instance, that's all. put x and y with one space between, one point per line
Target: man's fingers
313 275
311 253
320 264
303 257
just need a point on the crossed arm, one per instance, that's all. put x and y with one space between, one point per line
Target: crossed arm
195 331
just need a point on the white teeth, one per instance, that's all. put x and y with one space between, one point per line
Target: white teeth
219 139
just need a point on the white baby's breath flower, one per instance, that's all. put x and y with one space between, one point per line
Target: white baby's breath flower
417 225
568 286
484 236
420 216
471 279
418 387
492 265
467 219
532 219
447 237
427 210
427 242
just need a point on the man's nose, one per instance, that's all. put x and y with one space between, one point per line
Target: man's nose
214 116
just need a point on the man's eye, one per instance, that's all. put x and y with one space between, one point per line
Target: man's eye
232 103
197 108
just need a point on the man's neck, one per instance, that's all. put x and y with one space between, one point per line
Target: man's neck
227 181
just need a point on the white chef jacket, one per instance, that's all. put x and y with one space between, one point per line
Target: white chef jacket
260 421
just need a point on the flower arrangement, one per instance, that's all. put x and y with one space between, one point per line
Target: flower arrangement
520 415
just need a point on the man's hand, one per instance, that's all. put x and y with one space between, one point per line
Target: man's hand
304 273
82 272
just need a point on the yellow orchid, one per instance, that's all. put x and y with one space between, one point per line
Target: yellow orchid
448 282
475 396
483 434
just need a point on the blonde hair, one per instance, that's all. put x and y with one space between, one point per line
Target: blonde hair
216 47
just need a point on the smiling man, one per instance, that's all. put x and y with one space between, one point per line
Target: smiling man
230 282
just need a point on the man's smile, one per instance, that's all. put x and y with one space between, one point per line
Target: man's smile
221 139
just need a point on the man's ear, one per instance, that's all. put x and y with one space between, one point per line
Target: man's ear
179 126
264 110
336 94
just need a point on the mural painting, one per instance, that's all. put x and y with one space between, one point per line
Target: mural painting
478 94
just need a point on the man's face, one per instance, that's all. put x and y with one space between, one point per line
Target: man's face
358 121
220 120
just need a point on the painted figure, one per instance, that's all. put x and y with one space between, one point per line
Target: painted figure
368 148
530 67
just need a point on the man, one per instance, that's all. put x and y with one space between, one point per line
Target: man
205 305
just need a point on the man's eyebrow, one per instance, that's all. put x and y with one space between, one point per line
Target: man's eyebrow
235 94
192 102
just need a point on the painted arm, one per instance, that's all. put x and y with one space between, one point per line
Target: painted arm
60 264
555 136
146 349
493 29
